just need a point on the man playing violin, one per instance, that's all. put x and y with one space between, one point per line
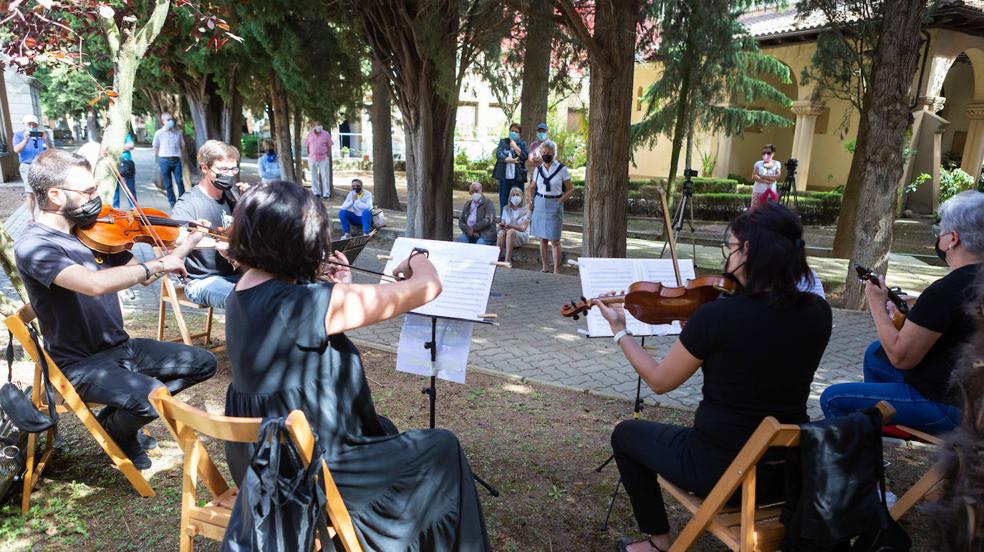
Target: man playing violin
910 368
73 293
211 275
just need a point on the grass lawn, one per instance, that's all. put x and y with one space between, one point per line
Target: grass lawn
537 444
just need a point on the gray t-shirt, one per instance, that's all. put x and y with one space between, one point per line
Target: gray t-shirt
75 325
196 204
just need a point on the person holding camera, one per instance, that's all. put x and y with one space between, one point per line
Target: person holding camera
28 144
765 174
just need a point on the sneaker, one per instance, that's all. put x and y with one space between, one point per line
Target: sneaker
346 236
147 442
130 446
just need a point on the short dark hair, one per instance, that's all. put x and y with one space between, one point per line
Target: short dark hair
213 150
770 147
354 180
281 228
776 259
519 128
50 169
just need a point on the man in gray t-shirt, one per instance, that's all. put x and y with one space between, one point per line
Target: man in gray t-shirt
212 275
73 292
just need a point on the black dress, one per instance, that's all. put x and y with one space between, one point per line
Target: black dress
405 491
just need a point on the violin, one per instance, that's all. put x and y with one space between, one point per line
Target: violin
116 231
898 319
655 303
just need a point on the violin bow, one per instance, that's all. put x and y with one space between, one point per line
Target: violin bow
669 236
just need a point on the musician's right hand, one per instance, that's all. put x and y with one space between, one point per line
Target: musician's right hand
413 263
172 264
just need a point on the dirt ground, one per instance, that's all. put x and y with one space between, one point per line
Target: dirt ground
11 197
538 445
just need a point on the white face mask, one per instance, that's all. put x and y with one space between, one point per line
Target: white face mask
476 197
319 128
515 200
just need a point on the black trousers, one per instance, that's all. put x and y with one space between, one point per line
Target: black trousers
122 377
644 450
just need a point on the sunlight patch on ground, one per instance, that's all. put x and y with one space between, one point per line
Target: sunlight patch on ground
517 388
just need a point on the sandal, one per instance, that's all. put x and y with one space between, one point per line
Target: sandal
623 544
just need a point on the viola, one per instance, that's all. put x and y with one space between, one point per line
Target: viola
116 230
655 303
898 319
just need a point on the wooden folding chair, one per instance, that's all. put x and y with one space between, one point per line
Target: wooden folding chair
175 297
211 520
926 484
72 402
748 527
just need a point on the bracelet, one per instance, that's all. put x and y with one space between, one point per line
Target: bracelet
146 271
418 251
620 335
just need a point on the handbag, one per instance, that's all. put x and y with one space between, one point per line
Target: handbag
281 503
128 168
378 218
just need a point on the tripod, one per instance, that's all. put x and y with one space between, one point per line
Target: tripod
431 392
788 186
636 414
685 208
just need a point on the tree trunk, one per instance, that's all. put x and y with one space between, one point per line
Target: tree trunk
383 176
232 114
206 108
92 125
281 124
298 168
430 163
610 95
844 237
536 71
883 125
680 125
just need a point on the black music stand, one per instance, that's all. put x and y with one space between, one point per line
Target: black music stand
352 246
431 390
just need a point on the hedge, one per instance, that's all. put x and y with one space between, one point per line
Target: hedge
249 145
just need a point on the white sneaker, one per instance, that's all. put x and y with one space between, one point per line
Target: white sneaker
890 499
346 236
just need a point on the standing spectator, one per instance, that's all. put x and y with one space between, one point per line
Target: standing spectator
269 166
28 144
534 159
128 170
356 209
551 188
765 174
477 221
514 225
318 144
510 163
168 145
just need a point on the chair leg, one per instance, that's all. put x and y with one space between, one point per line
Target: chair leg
120 460
182 326
32 443
208 326
920 489
161 316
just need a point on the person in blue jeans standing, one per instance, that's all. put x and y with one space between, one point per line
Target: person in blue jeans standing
910 368
168 145
128 170
510 164
356 209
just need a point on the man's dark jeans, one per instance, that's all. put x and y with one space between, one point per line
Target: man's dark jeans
122 377
172 166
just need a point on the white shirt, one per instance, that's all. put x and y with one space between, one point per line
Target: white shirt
556 184
167 143
515 217
357 204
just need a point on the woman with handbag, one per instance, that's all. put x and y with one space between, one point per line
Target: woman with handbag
128 170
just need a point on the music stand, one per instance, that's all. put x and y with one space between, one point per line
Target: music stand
352 246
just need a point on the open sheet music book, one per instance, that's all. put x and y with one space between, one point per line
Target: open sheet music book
466 272
601 275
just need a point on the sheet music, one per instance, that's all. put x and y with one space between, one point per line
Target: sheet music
453 342
600 275
466 272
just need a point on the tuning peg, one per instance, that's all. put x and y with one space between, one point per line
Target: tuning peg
583 300
577 317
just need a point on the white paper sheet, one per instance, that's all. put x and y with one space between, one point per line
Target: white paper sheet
453 342
600 275
466 272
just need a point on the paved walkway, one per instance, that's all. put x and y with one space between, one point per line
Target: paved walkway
532 340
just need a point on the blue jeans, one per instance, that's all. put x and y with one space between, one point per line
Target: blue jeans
131 182
349 218
169 167
882 381
504 187
465 239
212 291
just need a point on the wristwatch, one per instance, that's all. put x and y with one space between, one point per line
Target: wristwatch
620 335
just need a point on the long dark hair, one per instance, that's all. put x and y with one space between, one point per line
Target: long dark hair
776 258
280 228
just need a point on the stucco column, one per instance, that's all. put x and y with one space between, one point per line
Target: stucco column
973 153
806 123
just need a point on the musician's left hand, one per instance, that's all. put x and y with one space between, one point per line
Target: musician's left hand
243 186
337 274
876 294
614 315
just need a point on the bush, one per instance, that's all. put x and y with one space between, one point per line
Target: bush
741 180
704 185
953 181
249 145
462 179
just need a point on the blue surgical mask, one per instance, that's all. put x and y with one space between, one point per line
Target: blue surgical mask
513 135
169 124
476 197
541 136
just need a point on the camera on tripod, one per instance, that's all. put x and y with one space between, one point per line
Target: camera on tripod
690 173
791 165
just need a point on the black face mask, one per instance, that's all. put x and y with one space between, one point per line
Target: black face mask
939 252
84 216
548 158
271 152
224 181
357 190
730 274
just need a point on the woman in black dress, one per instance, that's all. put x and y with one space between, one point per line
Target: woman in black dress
758 351
284 332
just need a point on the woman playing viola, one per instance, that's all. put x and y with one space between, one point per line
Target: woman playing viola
748 374
286 343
